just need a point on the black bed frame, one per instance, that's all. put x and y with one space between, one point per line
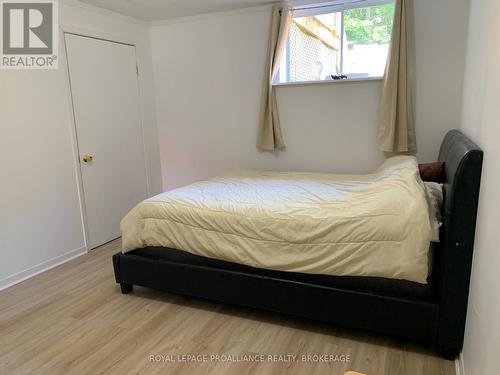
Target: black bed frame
436 318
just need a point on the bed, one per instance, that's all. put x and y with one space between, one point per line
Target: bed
319 246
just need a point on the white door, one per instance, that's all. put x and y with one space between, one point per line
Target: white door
105 95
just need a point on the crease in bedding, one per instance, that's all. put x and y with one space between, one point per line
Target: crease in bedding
343 225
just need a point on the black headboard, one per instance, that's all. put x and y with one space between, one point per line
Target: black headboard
463 163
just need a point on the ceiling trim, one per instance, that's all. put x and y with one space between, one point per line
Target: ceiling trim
103 11
224 13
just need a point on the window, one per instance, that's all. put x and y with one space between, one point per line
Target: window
338 41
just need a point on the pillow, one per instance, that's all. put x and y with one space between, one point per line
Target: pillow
433 172
435 201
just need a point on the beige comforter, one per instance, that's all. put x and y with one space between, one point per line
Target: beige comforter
358 225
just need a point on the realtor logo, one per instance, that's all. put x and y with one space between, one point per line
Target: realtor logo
29 34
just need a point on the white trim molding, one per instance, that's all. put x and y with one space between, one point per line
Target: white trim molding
205 16
41 267
103 11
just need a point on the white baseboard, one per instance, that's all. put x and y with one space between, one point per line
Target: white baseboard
42 267
459 364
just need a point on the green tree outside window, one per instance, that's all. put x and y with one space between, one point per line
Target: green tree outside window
369 25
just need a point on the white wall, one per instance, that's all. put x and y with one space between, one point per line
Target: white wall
208 75
40 217
480 121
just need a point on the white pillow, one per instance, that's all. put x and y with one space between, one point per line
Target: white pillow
435 200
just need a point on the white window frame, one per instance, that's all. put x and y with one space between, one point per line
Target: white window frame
335 6
325 8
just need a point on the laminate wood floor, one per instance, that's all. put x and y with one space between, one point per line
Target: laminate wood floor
74 320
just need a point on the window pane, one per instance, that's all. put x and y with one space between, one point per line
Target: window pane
367 33
313 49
352 42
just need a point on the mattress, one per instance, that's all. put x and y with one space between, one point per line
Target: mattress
374 225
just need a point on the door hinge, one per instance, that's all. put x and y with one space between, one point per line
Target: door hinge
137 69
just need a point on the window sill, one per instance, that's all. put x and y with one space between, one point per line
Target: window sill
328 81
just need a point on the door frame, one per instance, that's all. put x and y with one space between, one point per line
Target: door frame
98 35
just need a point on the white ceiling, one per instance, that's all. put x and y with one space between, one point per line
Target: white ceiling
154 10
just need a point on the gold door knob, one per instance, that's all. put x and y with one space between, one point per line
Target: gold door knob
87 158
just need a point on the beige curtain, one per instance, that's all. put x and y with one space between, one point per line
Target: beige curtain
396 132
269 136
